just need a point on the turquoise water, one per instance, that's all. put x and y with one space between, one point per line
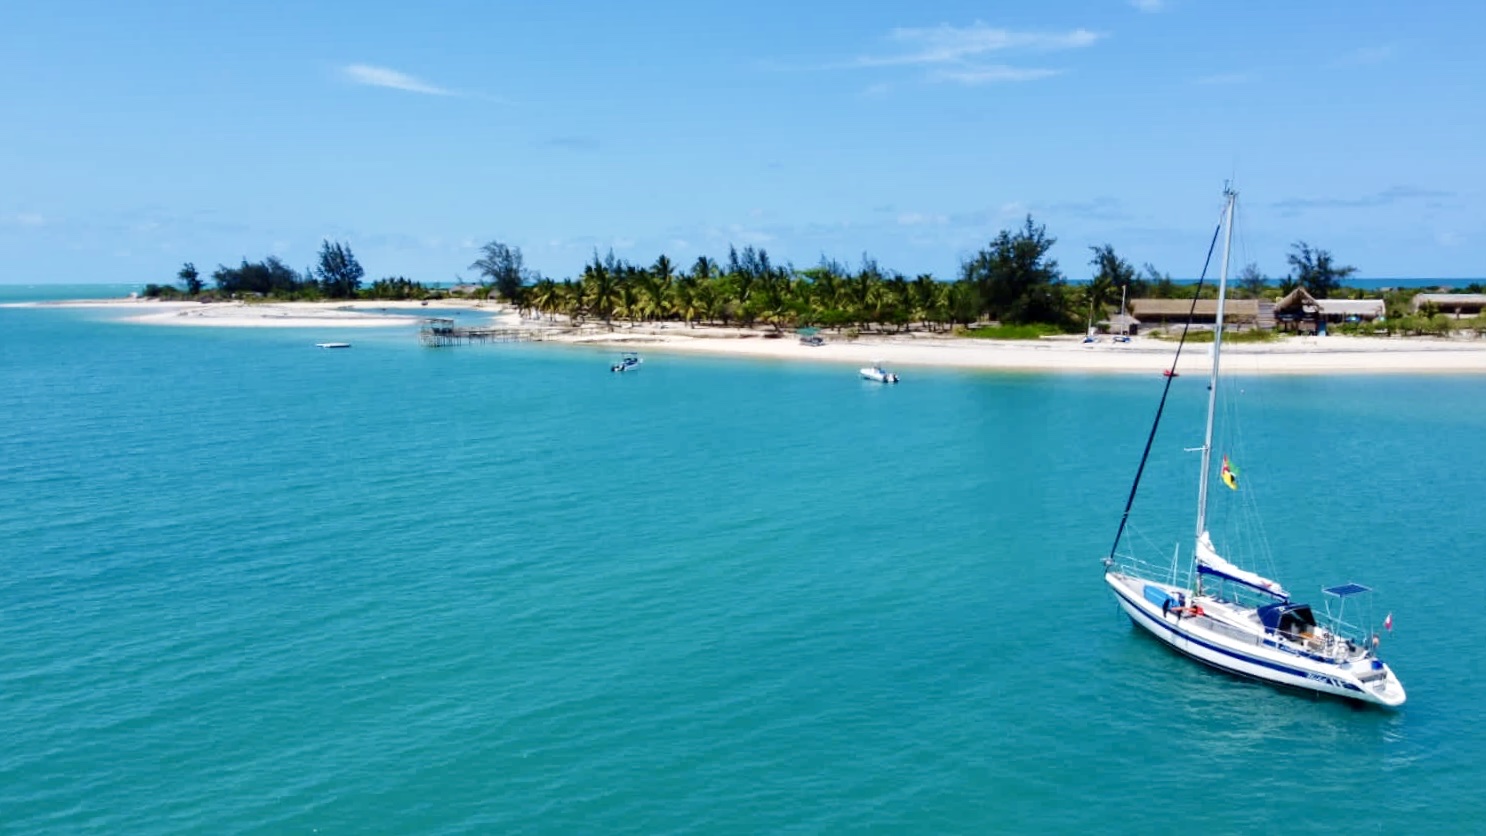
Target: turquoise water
254 586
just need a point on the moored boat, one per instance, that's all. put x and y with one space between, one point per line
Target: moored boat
1234 619
879 374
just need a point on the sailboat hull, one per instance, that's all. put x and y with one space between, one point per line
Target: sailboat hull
1250 656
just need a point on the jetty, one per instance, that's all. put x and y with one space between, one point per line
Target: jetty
443 333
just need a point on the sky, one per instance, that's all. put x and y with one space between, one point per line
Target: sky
138 136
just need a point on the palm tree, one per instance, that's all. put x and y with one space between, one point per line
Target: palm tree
683 300
601 289
543 296
655 284
1111 273
925 295
708 305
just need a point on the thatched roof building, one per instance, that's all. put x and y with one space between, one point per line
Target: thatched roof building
1299 310
1237 313
1452 304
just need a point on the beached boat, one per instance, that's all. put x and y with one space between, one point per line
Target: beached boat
630 362
1232 618
332 345
878 373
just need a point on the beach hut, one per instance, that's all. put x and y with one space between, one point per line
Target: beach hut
1238 314
1124 323
1458 305
1303 313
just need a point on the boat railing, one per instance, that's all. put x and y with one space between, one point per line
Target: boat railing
1226 629
1129 564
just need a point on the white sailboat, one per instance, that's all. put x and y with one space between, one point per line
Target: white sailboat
1234 619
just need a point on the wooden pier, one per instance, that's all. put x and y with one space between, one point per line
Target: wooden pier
443 333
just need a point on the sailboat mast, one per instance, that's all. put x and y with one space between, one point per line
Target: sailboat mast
1212 381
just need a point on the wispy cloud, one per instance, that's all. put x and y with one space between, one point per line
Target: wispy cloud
1367 55
385 77
571 143
922 219
30 219
960 54
992 74
1149 6
1226 78
1386 197
946 44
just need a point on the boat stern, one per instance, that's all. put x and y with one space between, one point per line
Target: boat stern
1385 690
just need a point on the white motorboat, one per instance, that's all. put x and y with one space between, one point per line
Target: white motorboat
1234 619
878 373
332 345
630 362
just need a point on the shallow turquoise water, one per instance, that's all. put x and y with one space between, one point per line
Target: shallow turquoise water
251 585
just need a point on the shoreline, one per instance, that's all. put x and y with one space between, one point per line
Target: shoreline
1291 355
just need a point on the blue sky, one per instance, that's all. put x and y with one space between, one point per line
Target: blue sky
140 135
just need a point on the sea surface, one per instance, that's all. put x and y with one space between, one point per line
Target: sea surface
251 586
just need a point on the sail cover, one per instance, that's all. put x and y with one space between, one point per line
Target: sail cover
1209 563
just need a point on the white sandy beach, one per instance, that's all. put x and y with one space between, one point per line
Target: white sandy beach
1293 355
362 314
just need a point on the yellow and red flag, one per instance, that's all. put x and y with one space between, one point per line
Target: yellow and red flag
1229 474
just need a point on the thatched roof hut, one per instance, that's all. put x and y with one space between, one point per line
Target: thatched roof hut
1300 306
1452 304
1243 313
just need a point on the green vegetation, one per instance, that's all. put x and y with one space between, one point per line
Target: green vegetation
1315 272
1012 332
1009 289
1253 335
337 275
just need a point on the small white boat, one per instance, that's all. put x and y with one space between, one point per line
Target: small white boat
878 373
630 362
332 345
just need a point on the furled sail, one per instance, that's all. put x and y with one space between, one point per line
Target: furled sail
1210 563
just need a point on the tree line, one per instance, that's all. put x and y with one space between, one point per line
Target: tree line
336 275
1012 280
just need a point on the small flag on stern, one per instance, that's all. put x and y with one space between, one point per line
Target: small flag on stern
1229 473
1388 622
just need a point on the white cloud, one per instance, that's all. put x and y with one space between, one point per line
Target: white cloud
1149 6
992 74
384 77
958 54
1014 209
1226 78
1366 56
946 44
922 219
23 219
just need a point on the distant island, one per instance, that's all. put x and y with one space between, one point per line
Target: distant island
1009 289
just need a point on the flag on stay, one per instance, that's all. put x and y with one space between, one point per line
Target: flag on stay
1388 622
1229 474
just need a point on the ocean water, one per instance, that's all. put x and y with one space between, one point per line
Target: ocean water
251 586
